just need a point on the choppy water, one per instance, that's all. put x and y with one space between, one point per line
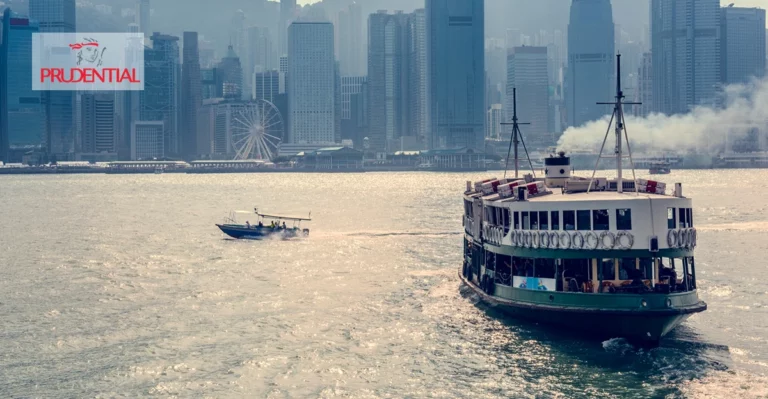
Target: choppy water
117 286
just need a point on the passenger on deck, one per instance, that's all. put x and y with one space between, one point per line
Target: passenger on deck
261 224
573 285
284 225
247 224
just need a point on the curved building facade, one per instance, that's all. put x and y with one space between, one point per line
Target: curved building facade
590 60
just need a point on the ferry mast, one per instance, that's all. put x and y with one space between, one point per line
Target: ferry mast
619 127
517 138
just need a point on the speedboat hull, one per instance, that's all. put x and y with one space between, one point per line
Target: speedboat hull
259 232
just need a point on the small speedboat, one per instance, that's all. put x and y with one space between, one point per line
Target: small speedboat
265 226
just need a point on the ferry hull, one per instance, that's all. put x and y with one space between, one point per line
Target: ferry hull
255 232
638 326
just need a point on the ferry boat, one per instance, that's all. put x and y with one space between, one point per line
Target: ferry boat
610 257
265 226
659 168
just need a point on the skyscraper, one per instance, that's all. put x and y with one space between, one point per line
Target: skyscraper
261 54
685 49
353 100
287 14
143 16
387 78
57 16
527 71
311 83
590 60
350 41
456 78
417 76
644 87
230 73
742 44
97 123
22 114
191 95
160 99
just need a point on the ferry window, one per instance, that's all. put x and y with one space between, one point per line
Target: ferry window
646 268
623 219
569 220
526 221
627 268
534 220
505 213
517 220
545 268
682 214
607 267
583 220
690 217
671 218
555 220
600 219
544 220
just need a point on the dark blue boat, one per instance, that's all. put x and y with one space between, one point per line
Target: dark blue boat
275 228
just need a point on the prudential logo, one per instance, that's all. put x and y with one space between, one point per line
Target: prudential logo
88 61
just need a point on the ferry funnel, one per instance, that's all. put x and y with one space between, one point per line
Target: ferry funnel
557 169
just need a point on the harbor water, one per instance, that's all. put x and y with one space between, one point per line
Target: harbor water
121 286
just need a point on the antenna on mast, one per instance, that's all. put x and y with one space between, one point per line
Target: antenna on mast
619 127
517 138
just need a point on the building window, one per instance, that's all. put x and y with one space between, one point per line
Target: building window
555 220
569 220
600 219
543 220
671 218
583 220
623 219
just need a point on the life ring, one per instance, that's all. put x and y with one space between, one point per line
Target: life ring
527 235
682 238
672 238
611 240
520 238
544 239
535 239
625 244
688 238
554 240
565 240
578 240
513 236
591 241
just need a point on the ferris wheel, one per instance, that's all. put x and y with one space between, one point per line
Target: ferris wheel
257 128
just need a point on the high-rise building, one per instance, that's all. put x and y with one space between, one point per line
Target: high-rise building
353 111
209 83
387 78
527 72
350 41
267 85
644 94
143 18
230 74
160 99
417 77
261 55
22 126
97 123
742 44
311 83
685 50
590 60
288 10
147 140
493 124
191 95
456 78
57 16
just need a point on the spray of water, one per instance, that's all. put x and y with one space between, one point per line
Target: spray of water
743 114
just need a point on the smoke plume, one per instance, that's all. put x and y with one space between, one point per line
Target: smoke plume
736 124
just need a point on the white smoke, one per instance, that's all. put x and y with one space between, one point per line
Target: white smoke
744 111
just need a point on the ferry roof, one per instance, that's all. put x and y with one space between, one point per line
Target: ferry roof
557 195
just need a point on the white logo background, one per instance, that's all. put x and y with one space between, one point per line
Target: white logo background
114 50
